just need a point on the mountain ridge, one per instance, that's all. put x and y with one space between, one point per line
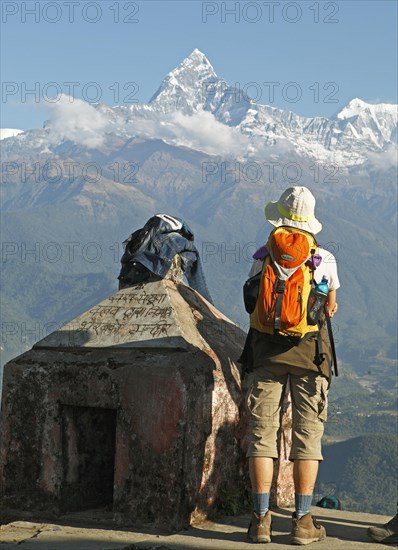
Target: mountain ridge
193 91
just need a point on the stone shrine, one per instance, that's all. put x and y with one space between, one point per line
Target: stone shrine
135 408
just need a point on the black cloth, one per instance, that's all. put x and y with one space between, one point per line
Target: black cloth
154 246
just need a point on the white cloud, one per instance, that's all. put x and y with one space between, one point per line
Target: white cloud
82 123
9 132
201 131
77 121
384 160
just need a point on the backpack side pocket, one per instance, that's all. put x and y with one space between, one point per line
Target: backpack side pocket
251 289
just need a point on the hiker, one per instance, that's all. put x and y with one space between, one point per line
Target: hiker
305 365
387 533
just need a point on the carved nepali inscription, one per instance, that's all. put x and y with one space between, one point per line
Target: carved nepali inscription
143 298
139 314
131 315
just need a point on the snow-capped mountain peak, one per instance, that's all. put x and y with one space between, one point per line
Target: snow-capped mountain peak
357 107
193 85
374 123
196 60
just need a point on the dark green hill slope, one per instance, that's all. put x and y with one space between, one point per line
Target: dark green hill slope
362 473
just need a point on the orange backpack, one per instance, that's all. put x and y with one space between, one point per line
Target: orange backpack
285 284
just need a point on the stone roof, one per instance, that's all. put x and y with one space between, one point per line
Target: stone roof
158 314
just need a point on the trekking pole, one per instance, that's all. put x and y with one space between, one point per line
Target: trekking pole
331 340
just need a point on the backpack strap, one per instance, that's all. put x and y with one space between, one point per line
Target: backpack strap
280 289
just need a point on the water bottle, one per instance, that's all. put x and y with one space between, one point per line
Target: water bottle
317 300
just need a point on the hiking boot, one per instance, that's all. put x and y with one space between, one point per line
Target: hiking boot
306 530
260 528
387 533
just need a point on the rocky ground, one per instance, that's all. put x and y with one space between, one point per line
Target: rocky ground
346 530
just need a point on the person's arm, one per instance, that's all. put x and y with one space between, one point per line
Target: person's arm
331 303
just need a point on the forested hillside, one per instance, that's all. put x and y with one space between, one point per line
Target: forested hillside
362 473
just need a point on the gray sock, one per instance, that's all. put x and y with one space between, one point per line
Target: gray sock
303 504
260 503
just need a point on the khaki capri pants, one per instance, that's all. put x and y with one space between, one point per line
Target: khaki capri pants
309 391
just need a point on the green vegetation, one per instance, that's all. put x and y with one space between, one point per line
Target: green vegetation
362 473
355 410
361 470
232 500
361 418
42 308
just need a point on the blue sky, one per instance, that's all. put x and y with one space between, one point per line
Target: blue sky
319 55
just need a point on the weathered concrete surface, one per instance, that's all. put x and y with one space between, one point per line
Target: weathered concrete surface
135 405
141 316
345 530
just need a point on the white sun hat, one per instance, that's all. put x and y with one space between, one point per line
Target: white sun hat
296 208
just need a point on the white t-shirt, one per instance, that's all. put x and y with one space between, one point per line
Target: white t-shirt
327 268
